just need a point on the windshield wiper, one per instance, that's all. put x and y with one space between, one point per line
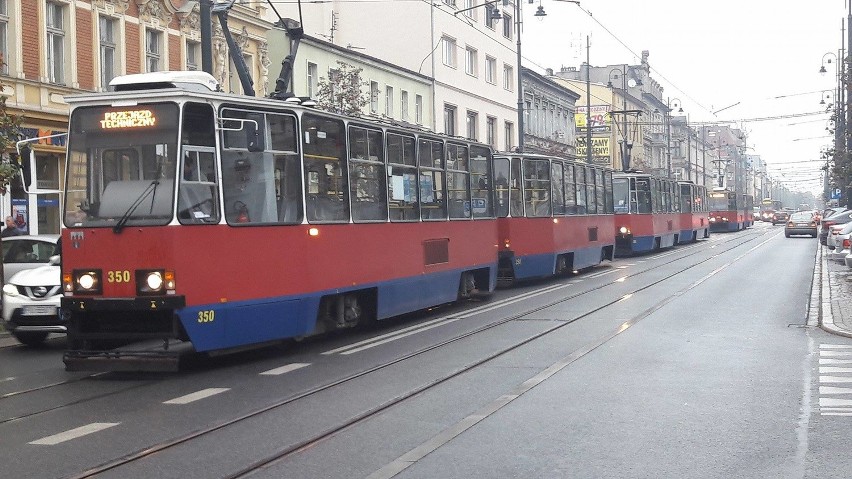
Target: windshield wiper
127 214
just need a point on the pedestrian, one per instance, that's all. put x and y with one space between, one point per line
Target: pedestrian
11 228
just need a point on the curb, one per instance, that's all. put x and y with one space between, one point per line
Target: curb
826 318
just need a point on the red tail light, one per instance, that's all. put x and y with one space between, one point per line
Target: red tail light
847 243
827 224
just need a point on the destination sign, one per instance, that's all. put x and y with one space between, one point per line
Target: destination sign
128 119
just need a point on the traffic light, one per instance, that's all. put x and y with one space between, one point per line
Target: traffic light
26 166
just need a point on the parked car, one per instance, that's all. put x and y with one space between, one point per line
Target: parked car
27 251
841 241
835 219
780 217
31 303
801 223
833 231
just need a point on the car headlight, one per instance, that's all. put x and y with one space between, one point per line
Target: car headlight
10 290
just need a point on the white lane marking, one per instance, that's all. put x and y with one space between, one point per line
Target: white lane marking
602 273
447 319
835 414
832 402
835 354
835 346
832 369
11 378
74 433
834 390
204 393
835 379
284 369
835 361
622 267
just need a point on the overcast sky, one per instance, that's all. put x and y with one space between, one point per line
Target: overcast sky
763 54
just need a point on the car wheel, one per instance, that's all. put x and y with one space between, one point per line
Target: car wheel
787 235
31 338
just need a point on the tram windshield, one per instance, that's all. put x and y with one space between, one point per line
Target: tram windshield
723 202
121 164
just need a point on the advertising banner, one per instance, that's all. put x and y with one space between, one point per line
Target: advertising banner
600 120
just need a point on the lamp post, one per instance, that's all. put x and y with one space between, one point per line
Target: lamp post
622 145
540 13
669 102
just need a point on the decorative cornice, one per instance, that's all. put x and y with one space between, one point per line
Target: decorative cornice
150 10
111 6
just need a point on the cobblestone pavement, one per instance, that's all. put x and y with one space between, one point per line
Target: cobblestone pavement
836 287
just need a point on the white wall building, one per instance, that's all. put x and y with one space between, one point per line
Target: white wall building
471 59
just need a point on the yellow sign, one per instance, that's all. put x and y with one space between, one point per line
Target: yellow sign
128 119
600 118
600 146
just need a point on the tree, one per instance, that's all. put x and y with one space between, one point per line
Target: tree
9 134
342 92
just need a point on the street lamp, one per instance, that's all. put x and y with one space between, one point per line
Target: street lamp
622 145
669 102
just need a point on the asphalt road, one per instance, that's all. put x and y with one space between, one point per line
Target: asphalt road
695 362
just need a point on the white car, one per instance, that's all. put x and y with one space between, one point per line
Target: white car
842 242
31 303
831 237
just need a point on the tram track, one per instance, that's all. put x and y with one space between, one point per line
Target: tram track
367 414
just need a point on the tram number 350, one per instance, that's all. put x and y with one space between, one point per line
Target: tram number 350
118 276
206 316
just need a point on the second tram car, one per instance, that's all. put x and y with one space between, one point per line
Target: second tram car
554 216
646 212
224 221
730 211
694 223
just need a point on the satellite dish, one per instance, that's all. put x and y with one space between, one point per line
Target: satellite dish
631 83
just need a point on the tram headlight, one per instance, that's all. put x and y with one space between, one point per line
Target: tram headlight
155 282
624 230
85 281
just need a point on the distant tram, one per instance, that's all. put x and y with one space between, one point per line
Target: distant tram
694 222
647 212
730 211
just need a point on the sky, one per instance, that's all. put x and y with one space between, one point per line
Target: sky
762 56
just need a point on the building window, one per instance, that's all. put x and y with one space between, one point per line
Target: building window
491 131
491 70
508 77
449 52
449 120
374 97
507 25
470 61
509 133
106 26
451 3
4 35
472 12
55 43
403 105
234 83
193 54
418 109
152 50
312 79
472 125
389 101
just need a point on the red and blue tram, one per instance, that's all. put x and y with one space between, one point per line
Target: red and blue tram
646 212
730 211
198 217
554 216
694 222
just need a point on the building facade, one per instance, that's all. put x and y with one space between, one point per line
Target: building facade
549 110
469 56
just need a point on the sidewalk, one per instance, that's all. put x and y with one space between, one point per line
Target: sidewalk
833 293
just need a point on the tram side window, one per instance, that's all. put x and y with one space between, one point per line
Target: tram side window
481 182
516 199
402 178
591 198
644 197
458 192
665 196
262 187
537 187
607 190
621 194
600 191
326 189
367 175
655 195
570 190
501 184
685 199
558 188
432 204
580 177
